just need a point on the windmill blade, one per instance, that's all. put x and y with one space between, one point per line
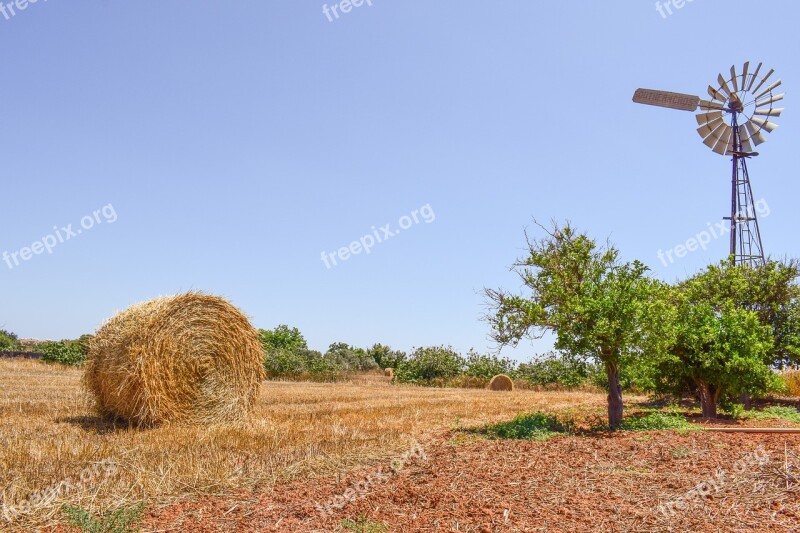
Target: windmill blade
734 80
764 124
744 138
715 95
769 89
744 75
770 73
708 129
679 101
723 86
771 112
705 104
755 76
705 118
724 141
755 133
772 100
712 140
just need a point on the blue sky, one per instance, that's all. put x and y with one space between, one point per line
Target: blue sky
231 143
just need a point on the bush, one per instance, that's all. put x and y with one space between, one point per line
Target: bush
64 352
487 366
791 380
8 341
657 421
555 369
350 358
428 364
300 364
385 357
533 426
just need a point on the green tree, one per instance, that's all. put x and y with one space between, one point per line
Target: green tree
8 341
385 357
727 327
486 365
282 338
426 364
596 305
350 358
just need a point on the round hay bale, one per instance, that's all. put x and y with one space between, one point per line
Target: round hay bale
188 358
388 372
501 382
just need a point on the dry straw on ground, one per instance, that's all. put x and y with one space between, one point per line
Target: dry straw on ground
501 382
188 358
388 372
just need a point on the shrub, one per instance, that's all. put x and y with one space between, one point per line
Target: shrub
64 352
791 380
487 366
8 341
533 426
555 369
350 358
301 364
657 421
385 357
427 364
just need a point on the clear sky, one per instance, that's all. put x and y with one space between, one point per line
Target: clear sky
225 145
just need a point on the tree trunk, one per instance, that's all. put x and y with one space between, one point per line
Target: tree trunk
708 398
747 401
615 406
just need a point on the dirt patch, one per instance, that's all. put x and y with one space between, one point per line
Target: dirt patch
604 482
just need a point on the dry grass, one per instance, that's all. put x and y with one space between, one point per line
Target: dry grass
792 380
191 357
501 382
49 432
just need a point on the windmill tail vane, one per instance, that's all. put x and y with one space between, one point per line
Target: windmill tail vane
732 122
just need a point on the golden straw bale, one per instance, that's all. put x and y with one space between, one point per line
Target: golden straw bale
389 372
187 358
501 382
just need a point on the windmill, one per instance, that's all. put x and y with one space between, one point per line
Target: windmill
731 123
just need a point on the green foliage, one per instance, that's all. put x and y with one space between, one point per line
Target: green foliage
350 358
300 364
282 338
120 521
533 426
657 421
716 340
8 341
65 352
385 357
555 369
776 411
427 364
487 366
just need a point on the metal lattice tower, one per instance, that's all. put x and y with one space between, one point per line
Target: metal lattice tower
731 123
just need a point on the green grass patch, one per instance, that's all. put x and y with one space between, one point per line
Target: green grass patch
657 421
120 521
789 414
532 426
363 525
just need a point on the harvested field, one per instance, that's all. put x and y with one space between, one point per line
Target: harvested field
308 443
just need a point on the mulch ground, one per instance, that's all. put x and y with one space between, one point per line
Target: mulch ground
598 482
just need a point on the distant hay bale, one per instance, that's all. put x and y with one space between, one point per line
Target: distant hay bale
388 372
191 358
501 382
